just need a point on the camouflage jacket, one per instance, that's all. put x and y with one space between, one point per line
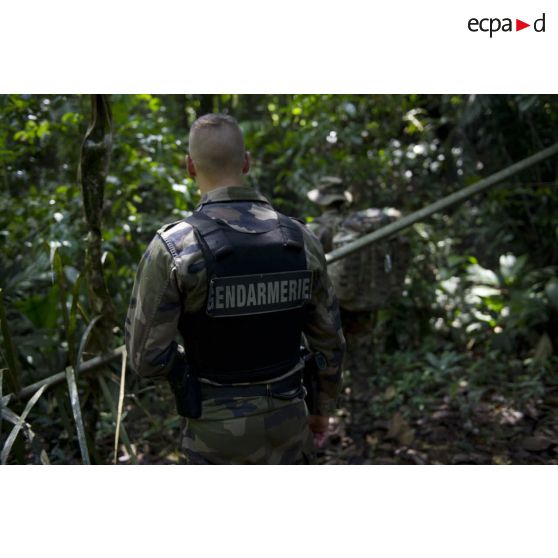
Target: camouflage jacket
325 226
168 284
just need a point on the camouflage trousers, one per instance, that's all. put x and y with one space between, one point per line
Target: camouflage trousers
358 328
249 430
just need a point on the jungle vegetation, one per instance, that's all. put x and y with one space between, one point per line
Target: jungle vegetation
466 359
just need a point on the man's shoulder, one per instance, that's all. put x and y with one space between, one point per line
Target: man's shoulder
178 237
170 229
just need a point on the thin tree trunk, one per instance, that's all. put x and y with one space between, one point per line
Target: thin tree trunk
92 173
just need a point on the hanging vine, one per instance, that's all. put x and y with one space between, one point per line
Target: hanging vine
92 173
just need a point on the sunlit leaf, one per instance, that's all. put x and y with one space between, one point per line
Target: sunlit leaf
76 410
484 291
479 274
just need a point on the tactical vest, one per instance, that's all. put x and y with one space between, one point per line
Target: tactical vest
258 285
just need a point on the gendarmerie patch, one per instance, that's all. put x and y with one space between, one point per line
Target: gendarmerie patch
245 295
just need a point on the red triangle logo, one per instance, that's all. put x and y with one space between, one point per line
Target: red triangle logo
519 25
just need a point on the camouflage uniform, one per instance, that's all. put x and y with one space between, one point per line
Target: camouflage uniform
232 428
325 226
331 195
363 281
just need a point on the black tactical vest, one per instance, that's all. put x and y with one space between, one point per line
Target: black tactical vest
258 285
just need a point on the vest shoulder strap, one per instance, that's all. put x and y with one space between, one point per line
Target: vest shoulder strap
215 237
212 235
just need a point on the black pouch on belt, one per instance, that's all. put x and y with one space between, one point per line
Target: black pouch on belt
186 389
313 363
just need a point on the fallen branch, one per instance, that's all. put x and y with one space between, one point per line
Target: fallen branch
91 365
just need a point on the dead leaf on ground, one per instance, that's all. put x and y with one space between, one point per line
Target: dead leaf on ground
536 443
400 430
510 416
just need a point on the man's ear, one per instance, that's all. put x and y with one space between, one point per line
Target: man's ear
246 165
191 166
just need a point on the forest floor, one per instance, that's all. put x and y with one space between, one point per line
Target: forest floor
492 431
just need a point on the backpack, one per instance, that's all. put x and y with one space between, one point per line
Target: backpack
372 277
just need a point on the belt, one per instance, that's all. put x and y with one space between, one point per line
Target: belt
287 388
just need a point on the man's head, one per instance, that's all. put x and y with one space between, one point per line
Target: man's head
330 193
217 156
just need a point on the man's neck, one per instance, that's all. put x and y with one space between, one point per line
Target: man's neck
207 186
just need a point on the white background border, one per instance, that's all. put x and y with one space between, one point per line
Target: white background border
256 47
274 512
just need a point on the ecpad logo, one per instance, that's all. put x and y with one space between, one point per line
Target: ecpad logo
494 24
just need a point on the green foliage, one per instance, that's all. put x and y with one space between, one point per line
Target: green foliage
11 360
480 305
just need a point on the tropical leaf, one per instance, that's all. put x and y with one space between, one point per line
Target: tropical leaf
38 450
21 420
480 275
511 267
85 339
76 410
484 292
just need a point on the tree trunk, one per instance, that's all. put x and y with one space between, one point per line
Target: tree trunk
92 174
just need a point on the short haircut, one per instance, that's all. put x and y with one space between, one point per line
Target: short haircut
216 145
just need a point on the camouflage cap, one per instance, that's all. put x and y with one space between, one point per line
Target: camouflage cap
330 189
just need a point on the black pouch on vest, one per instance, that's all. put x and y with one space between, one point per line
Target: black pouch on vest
186 389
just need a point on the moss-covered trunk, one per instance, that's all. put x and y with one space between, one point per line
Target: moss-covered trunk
92 173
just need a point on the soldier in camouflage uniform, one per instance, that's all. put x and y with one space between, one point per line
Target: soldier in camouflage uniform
333 199
364 281
260 416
